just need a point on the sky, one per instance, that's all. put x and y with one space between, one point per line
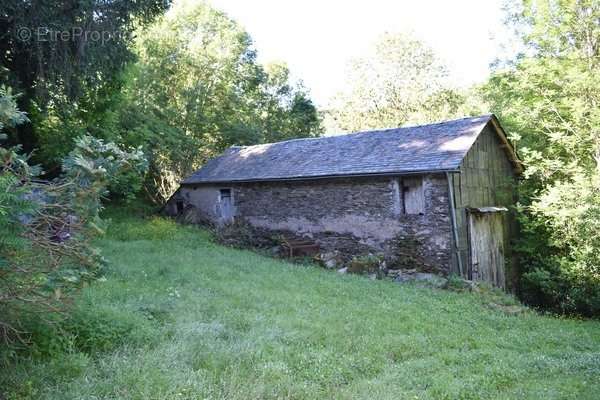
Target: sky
317 38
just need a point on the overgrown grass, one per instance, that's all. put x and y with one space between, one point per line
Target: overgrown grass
179 317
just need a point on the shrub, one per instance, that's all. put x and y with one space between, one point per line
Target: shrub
87 328
561 290
46 233
95 162
45 337
560 249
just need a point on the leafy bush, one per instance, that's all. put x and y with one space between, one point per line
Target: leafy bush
562 272
95 162
86 328
46 229
45 338
10 115
562 290
548 101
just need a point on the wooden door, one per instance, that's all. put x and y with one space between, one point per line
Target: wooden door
226 210
486 236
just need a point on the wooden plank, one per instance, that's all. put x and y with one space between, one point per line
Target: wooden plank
487 248
413 195
507 146
455 238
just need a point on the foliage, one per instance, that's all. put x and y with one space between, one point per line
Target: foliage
568 278
549 100
87 329
197 89
64 56
96 329
184 86
239 325
46 229
10 115
399 81
94 162
45 245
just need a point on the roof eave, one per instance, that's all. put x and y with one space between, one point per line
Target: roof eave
320 177
511 151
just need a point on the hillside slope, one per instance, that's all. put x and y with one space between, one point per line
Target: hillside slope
179 317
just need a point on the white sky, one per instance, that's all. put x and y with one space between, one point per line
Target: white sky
316 38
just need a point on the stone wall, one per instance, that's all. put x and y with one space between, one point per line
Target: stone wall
201 204
355 216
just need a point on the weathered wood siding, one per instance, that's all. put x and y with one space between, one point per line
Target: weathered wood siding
487 248
486 178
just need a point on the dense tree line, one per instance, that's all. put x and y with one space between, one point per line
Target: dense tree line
62 57
549 99
197 89
184 83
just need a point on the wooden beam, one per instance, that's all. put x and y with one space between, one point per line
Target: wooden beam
454 225
507 146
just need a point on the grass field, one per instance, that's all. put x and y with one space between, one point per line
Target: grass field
179 317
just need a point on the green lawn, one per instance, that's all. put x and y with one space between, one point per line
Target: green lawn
179 317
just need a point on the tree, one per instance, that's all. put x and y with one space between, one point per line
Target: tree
549 98
287 111
399 81
197 89
63 56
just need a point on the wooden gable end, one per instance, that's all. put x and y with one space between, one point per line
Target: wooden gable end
487 175
487 180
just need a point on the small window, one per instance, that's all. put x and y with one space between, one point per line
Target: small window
225 194
413 198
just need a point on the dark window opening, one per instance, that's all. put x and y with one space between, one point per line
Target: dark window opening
179 205
225 194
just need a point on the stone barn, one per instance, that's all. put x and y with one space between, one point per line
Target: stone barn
439 195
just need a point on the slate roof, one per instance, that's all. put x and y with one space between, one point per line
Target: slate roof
425 148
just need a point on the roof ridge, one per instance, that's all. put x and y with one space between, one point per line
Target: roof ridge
381 130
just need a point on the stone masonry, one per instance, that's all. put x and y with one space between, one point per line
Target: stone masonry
355 216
